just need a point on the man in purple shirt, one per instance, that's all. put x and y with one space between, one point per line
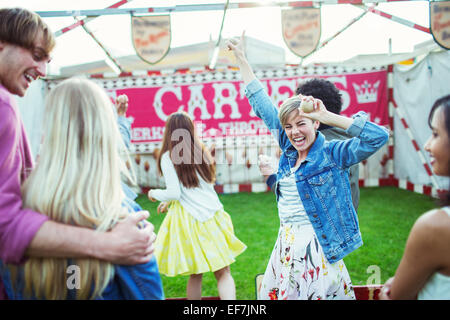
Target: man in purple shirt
25 45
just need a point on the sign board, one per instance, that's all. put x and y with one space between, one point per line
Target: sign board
440 22
221 109
151 37
301 29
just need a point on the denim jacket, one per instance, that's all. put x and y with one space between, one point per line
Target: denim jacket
323 179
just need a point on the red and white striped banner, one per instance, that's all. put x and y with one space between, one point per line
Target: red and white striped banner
398 19
88 19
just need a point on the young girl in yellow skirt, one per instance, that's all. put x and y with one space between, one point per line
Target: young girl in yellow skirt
197 235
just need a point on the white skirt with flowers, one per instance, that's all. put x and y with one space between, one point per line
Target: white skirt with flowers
298 269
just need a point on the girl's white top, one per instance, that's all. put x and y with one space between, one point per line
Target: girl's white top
438 286
201 202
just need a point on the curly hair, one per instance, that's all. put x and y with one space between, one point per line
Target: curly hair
324 90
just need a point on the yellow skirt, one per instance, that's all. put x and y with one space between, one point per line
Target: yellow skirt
187 246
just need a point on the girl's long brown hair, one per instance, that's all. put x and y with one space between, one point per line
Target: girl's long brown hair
187 152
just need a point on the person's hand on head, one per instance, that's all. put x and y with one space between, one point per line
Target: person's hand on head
318 111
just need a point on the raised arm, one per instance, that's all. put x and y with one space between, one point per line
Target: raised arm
122 121
321 114
425 252
368 137
257 96
124 244
239 52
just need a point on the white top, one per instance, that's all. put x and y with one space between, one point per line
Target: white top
290 206
201 202
438 286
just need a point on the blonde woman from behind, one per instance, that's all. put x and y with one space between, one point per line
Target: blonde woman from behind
77 181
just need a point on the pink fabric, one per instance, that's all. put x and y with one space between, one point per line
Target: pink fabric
17 225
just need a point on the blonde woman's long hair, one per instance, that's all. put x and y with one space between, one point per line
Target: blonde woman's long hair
76 181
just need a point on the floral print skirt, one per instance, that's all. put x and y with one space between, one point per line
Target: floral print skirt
298 269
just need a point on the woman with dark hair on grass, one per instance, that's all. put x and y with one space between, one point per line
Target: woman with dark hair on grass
424 271
197 235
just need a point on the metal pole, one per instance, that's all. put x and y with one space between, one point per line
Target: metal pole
88 19
201 7
108 55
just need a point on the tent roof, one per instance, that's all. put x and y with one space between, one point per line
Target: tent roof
259 53
367 36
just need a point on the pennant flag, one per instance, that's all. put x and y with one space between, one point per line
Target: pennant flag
301 29
151 37
440 22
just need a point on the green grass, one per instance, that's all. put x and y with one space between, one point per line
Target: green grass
386 216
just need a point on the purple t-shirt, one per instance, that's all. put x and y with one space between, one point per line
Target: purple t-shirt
17 225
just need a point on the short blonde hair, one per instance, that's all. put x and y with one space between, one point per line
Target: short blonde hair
287 107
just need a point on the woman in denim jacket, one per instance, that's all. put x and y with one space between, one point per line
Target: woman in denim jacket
318 224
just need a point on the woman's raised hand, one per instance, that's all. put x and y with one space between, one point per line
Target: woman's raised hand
237 46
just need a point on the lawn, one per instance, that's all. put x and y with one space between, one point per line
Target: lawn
386 216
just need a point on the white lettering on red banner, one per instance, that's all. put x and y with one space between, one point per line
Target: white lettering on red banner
221 109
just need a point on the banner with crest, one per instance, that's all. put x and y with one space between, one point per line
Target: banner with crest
301 29
221 109
440 22
151 37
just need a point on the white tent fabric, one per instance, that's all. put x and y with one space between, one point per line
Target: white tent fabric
416 88
31 108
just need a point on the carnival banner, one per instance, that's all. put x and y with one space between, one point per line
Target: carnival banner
151 37
301 29
440 22
221 109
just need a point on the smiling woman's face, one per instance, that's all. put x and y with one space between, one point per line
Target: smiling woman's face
438 145
301 131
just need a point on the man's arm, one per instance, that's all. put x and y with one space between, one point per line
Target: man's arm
125 244
25 232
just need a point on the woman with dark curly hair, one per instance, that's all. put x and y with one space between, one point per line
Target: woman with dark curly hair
424 271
